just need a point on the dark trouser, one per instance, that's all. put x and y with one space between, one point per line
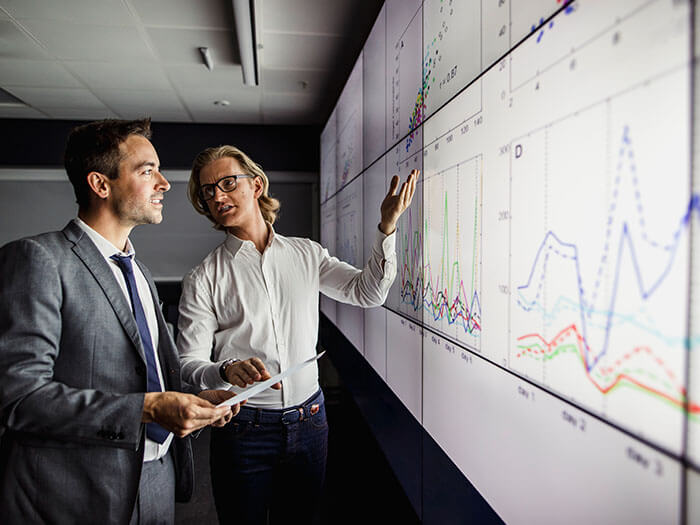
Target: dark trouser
270 461
155 503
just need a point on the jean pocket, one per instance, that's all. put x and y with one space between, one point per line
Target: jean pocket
318 420
239 429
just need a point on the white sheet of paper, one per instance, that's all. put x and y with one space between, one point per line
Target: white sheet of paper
259 387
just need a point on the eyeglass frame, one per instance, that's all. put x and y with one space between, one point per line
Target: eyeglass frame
216 185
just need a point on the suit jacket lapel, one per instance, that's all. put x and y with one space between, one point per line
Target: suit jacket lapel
92 258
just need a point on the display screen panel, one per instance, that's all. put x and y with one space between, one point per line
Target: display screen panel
544 320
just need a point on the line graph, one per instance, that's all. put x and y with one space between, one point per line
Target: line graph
406 294
329 226
349 226
598 302
329 141
349 247
451 295
410 258
548 258
349 127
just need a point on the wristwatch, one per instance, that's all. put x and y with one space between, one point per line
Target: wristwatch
223 366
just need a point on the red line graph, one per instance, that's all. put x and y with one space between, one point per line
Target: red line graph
572 332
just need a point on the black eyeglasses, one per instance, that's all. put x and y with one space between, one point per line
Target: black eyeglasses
225 184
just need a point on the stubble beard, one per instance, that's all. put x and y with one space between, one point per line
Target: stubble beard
135 214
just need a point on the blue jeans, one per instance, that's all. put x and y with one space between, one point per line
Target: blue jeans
270 461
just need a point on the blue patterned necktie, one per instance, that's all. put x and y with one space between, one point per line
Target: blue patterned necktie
153 430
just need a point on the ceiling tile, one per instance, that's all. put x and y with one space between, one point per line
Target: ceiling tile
44 98
188 77
35 73
290 108
133 56
81 113
294 119
139 99
293 80
283 50
160 105
244 99
14 43
309 16
287 102
228 116
244 105
161 115
156 114
104 12
212 14
124 75
20 112
90 42
180 46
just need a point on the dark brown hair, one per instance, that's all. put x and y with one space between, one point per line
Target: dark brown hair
95 147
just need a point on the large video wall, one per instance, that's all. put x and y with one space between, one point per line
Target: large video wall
544 323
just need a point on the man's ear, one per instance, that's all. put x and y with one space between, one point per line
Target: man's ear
99 184
259 186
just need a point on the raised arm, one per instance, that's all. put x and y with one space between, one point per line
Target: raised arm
369 287
395 204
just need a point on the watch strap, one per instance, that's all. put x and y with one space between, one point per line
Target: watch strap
224 365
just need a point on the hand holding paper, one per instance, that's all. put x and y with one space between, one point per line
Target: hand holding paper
249 392
247 372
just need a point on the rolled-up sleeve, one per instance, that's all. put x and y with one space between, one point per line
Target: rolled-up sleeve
367 287
197 325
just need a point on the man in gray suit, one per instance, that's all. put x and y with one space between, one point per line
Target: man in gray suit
90 395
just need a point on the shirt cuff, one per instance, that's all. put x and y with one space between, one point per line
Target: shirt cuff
385 244
213 378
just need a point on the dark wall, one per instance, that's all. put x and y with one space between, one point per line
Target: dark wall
436 488
40 143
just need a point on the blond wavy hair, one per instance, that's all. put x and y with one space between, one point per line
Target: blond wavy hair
269 206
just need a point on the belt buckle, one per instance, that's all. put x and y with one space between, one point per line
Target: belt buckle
298 411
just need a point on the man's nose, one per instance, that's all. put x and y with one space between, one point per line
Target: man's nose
218 193
163 182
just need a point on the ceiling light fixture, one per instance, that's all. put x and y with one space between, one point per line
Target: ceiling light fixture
206 57
244 15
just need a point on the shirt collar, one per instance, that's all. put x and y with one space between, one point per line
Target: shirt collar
106 248
233 243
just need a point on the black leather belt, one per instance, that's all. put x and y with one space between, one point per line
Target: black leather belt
284 416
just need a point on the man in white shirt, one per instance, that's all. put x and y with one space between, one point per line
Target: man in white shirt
257 294
90 395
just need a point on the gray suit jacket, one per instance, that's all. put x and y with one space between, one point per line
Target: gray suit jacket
72 382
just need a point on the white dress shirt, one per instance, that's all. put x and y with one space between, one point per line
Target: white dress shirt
239 303
153 450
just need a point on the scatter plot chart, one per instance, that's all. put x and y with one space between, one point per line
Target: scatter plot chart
449 28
